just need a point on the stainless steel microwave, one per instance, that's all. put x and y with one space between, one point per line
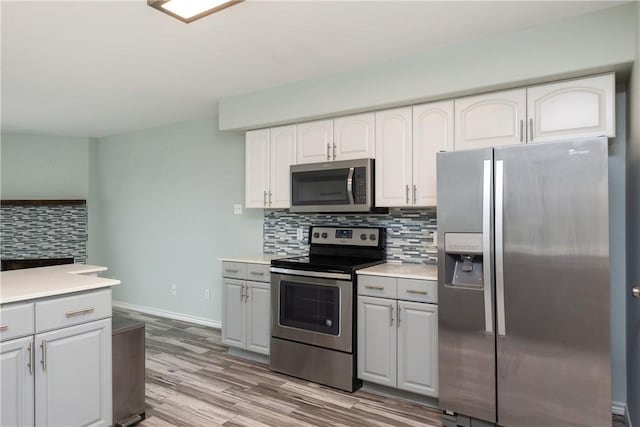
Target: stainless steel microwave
342 186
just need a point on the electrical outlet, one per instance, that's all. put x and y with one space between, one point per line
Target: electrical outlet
207 294
174 289
237 209
300 234
435 238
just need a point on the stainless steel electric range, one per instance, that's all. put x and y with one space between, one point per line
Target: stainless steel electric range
313 305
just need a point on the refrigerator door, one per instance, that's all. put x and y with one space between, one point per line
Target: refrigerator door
466 341
552 284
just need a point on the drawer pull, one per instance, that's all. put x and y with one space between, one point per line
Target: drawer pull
415 291
4 328
377 288
79 312
231 271
256 273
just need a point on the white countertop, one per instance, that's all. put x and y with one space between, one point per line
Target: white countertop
405 271
253 258
32 283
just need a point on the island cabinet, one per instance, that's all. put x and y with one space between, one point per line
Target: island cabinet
246 305
58 371
398 333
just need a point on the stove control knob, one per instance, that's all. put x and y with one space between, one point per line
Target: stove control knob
363 236
372 236
325 235
316 235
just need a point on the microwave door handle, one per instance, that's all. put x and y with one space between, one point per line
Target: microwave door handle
350 186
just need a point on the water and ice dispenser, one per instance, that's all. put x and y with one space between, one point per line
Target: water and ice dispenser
463 260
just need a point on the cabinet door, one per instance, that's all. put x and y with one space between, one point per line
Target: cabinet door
418 347
393 157
256 168
233 313
314 142
432 132
490 120
16 382
73 375
354 137
377 334
572 109
283 155
258 317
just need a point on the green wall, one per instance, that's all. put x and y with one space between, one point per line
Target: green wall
599 41
166 211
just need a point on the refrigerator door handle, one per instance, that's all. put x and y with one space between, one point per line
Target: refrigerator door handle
486 245
499 193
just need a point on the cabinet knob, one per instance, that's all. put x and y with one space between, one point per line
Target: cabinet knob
635 291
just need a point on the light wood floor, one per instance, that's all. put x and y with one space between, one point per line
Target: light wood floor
192 381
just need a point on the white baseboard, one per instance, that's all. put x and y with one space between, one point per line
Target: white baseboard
169 314
620 408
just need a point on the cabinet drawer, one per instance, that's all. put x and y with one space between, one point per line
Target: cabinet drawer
234 270
418 290
377 286
72 310
16 320
258 273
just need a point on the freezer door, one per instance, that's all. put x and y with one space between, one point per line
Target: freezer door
552 284
466 342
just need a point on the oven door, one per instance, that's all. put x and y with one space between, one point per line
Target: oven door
310 310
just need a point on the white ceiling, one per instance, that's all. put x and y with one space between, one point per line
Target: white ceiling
97 68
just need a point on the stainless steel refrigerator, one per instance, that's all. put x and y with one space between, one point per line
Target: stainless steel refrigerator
523 285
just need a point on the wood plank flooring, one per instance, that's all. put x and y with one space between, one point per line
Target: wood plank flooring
192 381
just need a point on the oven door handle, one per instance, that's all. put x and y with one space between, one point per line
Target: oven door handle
322 275
350 186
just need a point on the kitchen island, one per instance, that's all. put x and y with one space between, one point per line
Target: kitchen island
55 333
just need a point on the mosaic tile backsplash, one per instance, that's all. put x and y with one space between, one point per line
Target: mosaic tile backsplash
410 232
43 232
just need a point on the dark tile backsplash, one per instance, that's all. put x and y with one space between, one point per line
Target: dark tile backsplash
410 232
43 232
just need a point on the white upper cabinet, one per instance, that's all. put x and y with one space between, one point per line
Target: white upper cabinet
354 137
315 141
269 153
432 132
345 138
256 168
283 155
490 120
572 109
394 157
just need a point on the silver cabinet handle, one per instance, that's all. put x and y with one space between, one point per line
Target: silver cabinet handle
334 151
415 189
499 244
486 245
531 129
635 291
378 288
230 271
30 361
265 198
399 315
246 293
256 273
416 291
242 294
4 328
270 194
43 359
521 130
391 314
407 192
328 151
79 312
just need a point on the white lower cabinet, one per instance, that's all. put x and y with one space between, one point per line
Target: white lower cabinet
246 307
17 382
73 376
398 340
59 372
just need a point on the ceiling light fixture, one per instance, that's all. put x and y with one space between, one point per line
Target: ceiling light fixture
190 10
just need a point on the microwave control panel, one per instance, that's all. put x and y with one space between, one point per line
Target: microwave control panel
360 186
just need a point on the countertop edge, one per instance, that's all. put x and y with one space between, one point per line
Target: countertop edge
106 283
